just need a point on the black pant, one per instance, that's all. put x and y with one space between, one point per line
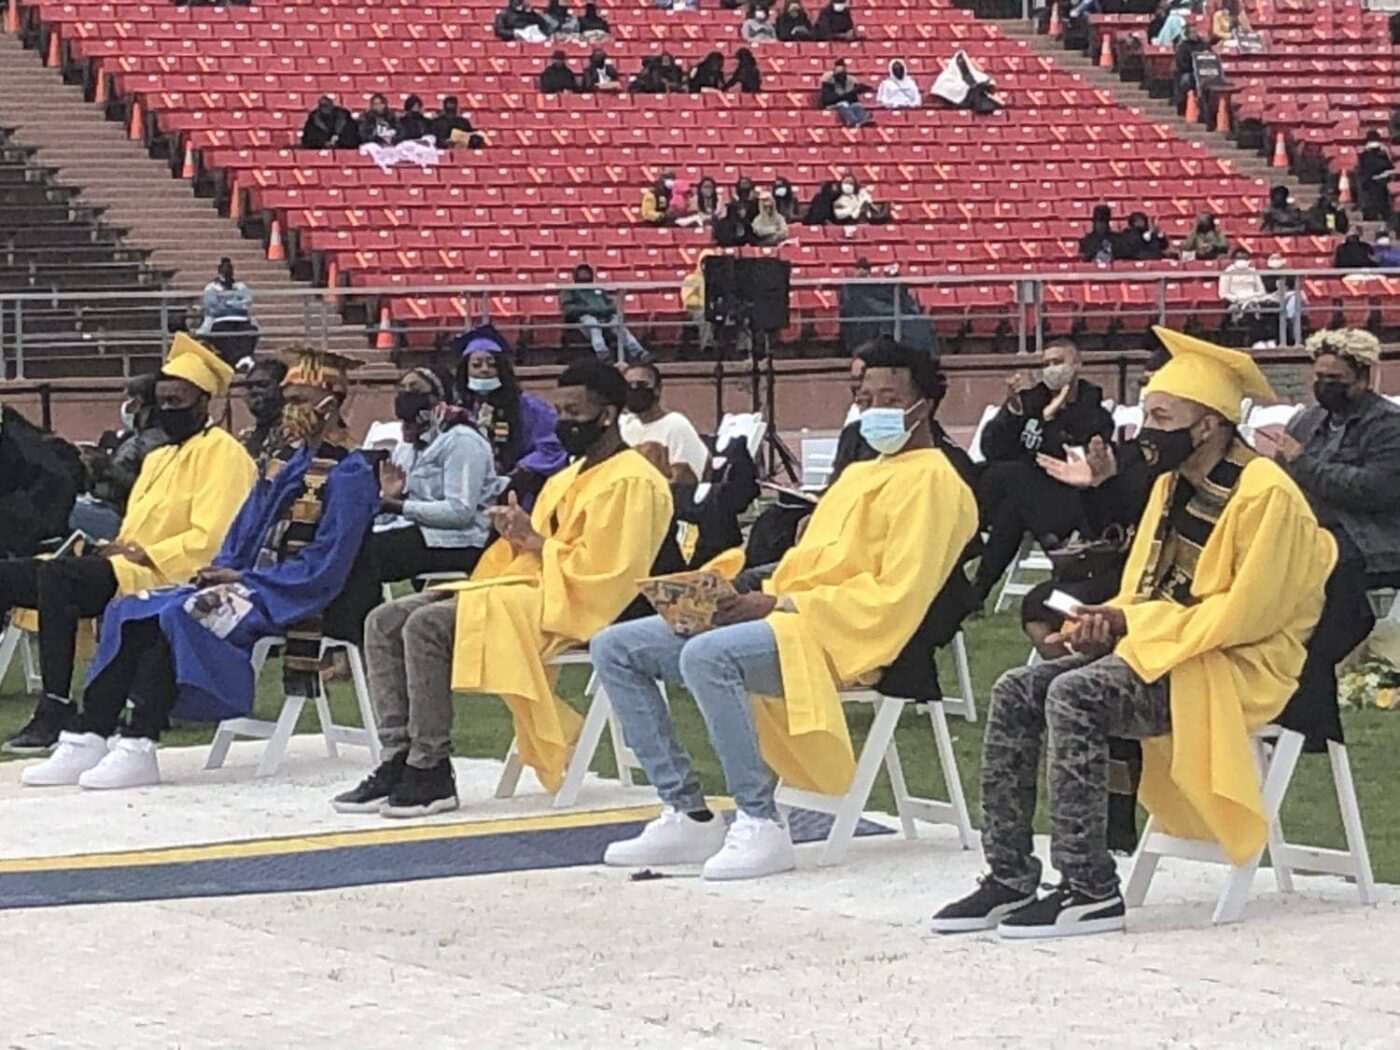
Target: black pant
64 590
1015 498
142 672
401 554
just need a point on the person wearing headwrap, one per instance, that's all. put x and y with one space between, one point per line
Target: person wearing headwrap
518 425
186 650
899 90
176 515
1202 645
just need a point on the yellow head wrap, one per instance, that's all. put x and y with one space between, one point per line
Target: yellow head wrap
1209 375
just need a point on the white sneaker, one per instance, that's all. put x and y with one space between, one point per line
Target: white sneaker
672 838
752 849
131 763
75 755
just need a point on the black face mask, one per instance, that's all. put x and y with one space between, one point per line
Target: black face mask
1165 450
640 399
1332 395
410 404
578 436
181 424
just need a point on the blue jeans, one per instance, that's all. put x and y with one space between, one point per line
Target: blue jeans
99 520
593 328
721 668
852 114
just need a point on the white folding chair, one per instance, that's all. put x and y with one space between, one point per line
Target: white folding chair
881 749
974 449
1127 420
1017 584
965 703
818 456
279 733
599 715
748 425
1276 753
15 640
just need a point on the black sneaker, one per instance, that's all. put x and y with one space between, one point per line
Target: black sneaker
40 733
422 792
1064 912
370 793
982 909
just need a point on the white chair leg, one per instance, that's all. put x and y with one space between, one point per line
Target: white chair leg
276 749
943 739
362 698
900 788
584 749
218 751
968 708
323 713
877 743
510 772
1351 822
1144 866
1230 906
9 642
33 680
1277 769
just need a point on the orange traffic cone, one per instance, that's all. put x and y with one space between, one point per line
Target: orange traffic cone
187 172
274 243
12 17
332 282
385 339
53 58
99 91
1222 115
135 131
1193 108
1280 152
235 200
1344 187
1106 53
1055 28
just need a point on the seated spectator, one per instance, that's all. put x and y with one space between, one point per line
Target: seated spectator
176 515
785 196
592 23
1015 495
592 309
898 90
519 426
965 85
1282 217
186 650
517 21
1184 65
1188 659
841 93
1097 245
329 126
834 22
1229 19
112 469
708 73
566 570
855 204
1387 254
435 488
262 397
451 128
1173 26
793 23
1242 288
736 227
820 209
1140 239
657 200
746 76
413 125
1374 170
559 20
649 81
768 226
1354 253
706 207
669 72
1327 216
1205 241
227 303
648 421
757 28
378 125
869 311
879 547
557 78
600 74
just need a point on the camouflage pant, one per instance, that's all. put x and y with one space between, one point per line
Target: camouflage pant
1084 702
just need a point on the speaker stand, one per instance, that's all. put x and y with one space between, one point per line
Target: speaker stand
775 456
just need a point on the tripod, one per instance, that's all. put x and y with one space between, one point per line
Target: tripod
775 454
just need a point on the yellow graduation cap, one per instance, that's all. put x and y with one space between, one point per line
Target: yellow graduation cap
307 366
192 361
1209 375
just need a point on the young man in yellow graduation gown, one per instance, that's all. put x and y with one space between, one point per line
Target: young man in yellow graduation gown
553 579
184 499
839 607
1204 642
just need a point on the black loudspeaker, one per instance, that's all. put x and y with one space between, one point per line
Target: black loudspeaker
747 292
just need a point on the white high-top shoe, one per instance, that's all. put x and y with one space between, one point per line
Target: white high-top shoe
130 763
752 849
672 838
75 754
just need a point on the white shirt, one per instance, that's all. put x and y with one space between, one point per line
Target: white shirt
899 94
683 444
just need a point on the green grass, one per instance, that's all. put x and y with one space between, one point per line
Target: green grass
483 729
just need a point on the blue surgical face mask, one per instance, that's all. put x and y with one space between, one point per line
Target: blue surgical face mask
483 384
883 428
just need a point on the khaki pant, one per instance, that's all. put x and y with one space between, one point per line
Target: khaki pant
408 647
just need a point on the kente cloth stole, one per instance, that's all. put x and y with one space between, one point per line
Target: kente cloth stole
1184 528
295 528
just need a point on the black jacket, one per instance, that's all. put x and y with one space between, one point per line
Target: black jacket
747 78
1013 436
338 131
832 23
443 126
1130 244
40 477
556 79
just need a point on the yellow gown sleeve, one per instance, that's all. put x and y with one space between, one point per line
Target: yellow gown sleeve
222 483
1252 601
586 585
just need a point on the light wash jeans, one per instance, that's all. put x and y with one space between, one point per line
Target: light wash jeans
631 349
721 668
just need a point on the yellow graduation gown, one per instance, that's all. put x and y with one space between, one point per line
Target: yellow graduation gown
1233 657
602 530
183 502
878 549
